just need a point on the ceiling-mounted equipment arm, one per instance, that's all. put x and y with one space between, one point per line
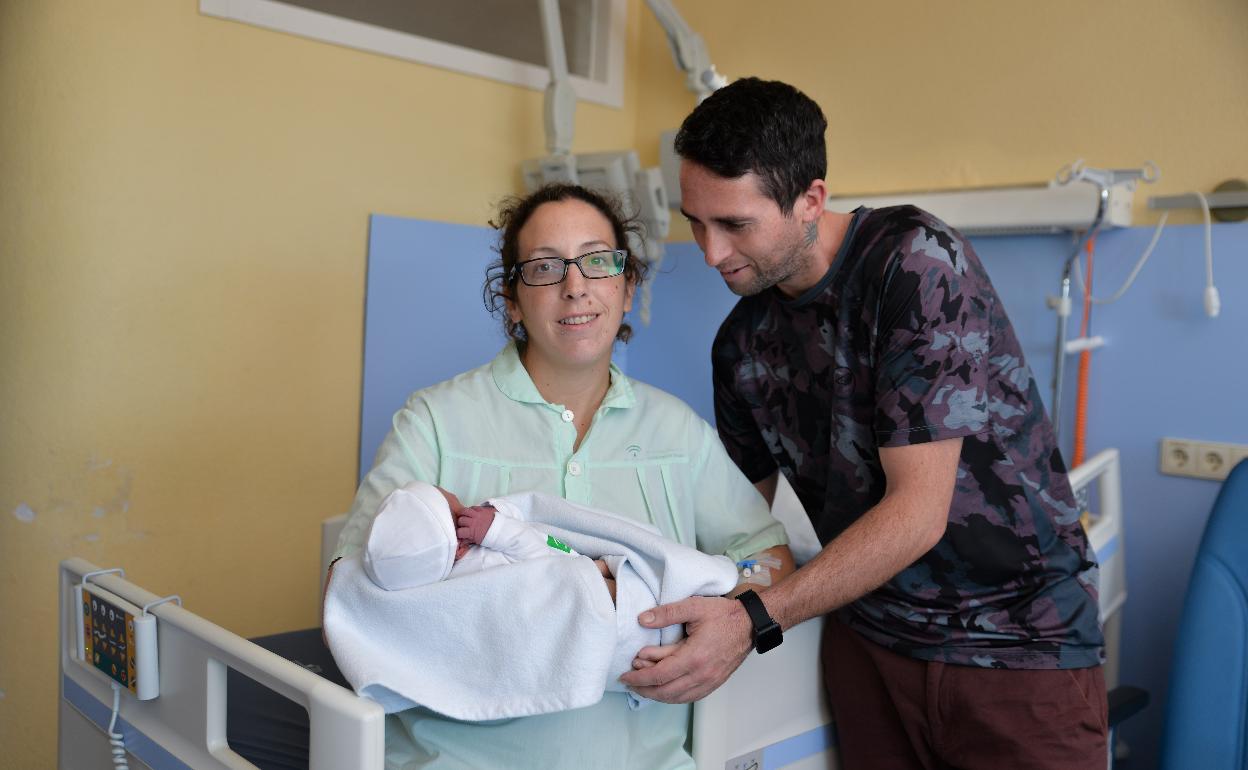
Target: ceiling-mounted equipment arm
688 49
618 173
560 96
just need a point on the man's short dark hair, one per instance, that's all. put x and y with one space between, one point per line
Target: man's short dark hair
764 126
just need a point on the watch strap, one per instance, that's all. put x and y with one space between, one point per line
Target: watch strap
767 633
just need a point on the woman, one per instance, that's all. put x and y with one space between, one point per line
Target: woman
551 413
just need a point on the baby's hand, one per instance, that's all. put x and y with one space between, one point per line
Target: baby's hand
472 523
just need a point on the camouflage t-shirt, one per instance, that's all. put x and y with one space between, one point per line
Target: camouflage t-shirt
905 341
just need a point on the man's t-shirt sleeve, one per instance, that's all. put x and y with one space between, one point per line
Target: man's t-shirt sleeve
733 420
932 342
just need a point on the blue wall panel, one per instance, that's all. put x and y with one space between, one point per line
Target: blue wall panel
424 319
1167 371
673 352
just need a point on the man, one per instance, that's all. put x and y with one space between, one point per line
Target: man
871 362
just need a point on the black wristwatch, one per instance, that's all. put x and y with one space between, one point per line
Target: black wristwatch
767 633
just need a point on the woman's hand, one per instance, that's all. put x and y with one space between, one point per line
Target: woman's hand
607 577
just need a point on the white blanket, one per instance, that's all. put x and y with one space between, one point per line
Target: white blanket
528 638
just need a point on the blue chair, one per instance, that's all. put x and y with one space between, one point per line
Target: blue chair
1207 712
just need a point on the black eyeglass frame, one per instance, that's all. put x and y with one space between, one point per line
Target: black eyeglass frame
517 272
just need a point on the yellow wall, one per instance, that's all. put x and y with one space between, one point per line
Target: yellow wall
183 231
929 95
183 224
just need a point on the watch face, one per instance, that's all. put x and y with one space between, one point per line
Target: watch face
768 638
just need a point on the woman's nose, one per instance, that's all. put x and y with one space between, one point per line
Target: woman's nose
574 283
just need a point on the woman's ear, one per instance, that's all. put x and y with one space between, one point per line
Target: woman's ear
513 309
630 289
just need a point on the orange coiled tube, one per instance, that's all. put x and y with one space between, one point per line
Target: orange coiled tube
1085 364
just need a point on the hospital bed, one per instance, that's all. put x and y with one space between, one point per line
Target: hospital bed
185 725
769 715
1098 490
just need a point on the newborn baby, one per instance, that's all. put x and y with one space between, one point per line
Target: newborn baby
423 534
537 637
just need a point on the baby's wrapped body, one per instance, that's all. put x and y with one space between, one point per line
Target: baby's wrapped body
537 636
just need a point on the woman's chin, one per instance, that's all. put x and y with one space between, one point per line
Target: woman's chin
574 350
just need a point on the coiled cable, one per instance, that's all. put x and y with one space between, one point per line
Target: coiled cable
117 740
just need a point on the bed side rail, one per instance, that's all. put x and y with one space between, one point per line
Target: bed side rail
188 719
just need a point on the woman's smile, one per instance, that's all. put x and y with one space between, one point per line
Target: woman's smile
579 320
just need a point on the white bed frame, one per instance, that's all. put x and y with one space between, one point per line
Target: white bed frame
1099 475
185 726
771 714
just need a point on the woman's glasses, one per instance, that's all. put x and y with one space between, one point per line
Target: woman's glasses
547 271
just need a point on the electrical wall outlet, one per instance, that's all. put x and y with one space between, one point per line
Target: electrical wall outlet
1213 461
1200 459
1178 457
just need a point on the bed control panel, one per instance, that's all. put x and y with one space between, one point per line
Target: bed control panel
118 640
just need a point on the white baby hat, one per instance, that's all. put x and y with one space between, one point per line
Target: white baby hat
412 540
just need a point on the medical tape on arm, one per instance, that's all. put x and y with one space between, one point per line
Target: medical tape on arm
757 569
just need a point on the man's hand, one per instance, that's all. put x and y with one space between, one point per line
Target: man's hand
473 522
718 640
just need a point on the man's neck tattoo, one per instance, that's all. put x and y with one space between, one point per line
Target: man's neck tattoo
812 233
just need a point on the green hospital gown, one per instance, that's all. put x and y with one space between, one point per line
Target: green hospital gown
488 432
